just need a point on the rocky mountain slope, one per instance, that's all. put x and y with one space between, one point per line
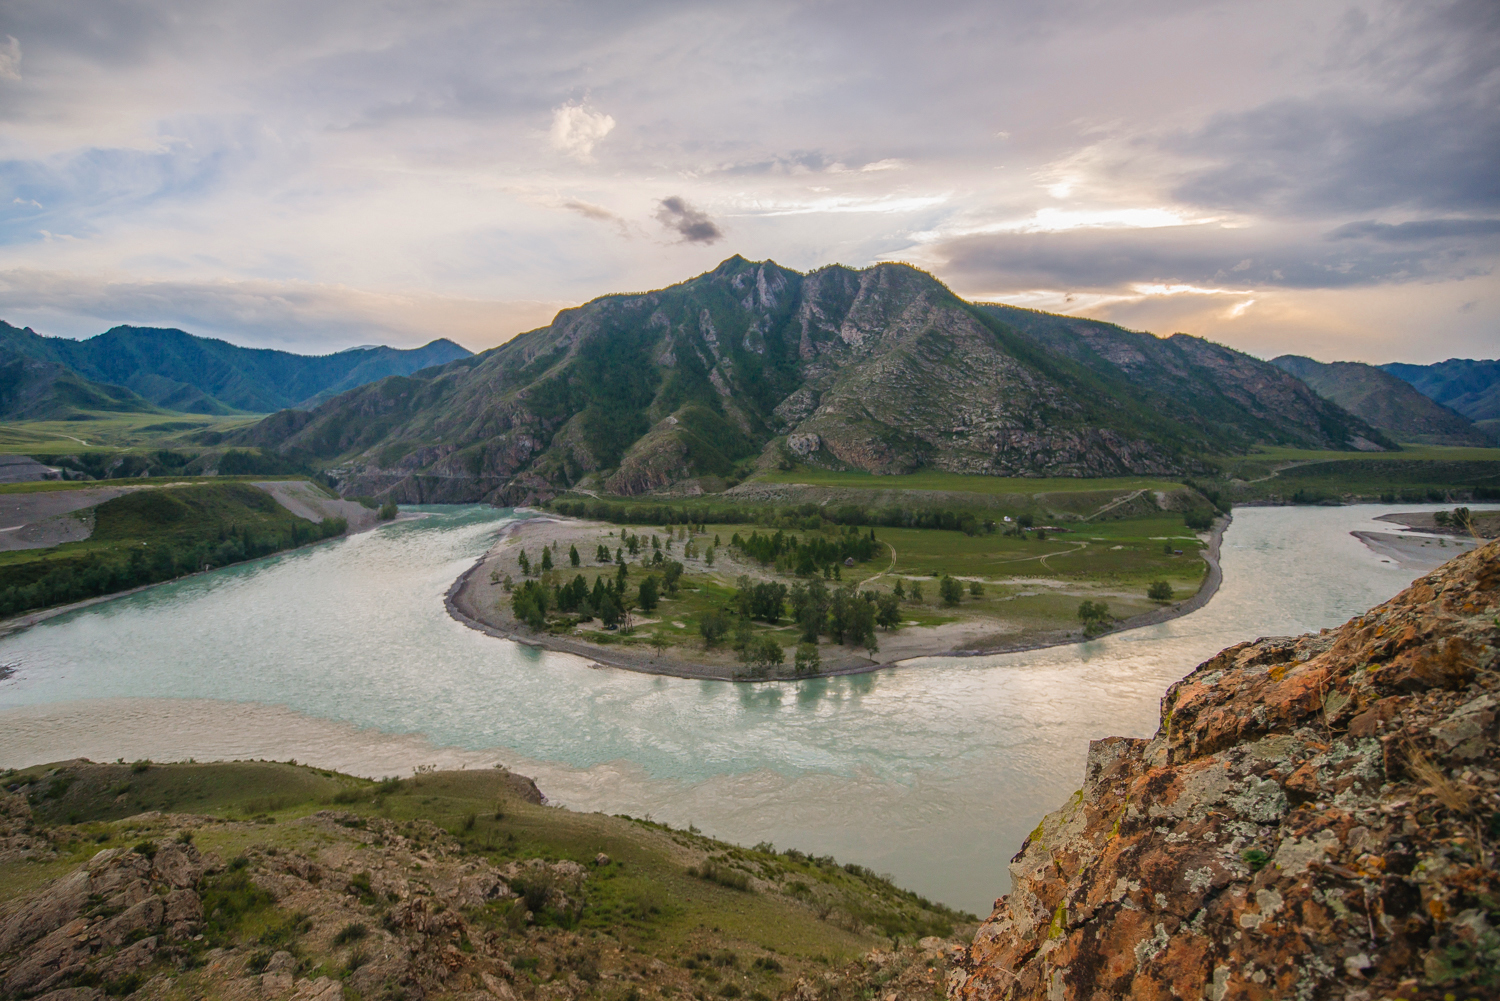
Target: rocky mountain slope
200 375
33 389
1385 401
882 370
1317 817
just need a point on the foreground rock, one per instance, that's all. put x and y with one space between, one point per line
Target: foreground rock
1317 817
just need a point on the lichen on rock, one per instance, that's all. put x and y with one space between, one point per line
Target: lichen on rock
1317 817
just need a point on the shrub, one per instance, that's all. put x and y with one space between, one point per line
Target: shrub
976 589
951 591
387 510
1159 590
1199 520
351 932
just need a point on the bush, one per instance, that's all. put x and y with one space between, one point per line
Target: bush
351 932
976 589
1199 520
387 510
951 590
1159 590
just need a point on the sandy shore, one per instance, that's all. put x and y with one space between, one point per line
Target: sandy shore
483 606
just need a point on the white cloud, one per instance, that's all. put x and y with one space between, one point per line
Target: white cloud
10 59
577 129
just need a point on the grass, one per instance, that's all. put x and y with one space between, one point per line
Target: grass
1113 560
47 486
106 432
962 483
806 910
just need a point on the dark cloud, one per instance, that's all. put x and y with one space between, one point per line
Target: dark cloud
1105 260
1421 229
1414 121
692 224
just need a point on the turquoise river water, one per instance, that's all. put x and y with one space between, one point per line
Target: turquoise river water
343 655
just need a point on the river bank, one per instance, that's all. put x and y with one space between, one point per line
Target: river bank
476 600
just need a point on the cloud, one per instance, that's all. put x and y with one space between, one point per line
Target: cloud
1201 257
576 129
692 224
302 316
598 213
1421 229
10 59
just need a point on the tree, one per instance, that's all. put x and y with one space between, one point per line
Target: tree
1159 590
1199 519
899 590
1095 617
712 627
494 577
672 572
888 611
916 592
609 611
1025 521
525 562
708 557
648 594
507 583
976 589
742 634
1166 548
659 642
546 559
951 590
573 555
807 660
388 510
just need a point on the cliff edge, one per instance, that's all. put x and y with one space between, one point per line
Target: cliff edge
1317 817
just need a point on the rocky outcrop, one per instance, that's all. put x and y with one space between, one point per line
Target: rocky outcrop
108 918
1317 817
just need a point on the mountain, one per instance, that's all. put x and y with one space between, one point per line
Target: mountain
36 390
883 370
200 375
1470 387
1385 401
1239 400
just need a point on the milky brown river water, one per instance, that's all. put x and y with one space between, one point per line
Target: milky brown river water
343 655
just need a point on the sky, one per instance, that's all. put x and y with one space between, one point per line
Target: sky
1314 178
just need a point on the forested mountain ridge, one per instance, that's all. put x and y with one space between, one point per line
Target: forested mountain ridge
36 389
1387 402
883 370
179 371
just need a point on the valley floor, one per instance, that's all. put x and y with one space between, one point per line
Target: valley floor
1029 605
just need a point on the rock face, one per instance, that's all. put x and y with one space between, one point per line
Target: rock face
1317 817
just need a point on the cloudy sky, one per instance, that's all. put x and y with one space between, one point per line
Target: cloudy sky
1280 176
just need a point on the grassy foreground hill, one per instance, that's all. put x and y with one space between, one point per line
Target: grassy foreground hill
257 879
752 365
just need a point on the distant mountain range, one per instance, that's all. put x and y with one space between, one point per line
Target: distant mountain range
883 370
1470 387
1394 406
144 368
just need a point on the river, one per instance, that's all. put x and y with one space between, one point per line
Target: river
342 655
